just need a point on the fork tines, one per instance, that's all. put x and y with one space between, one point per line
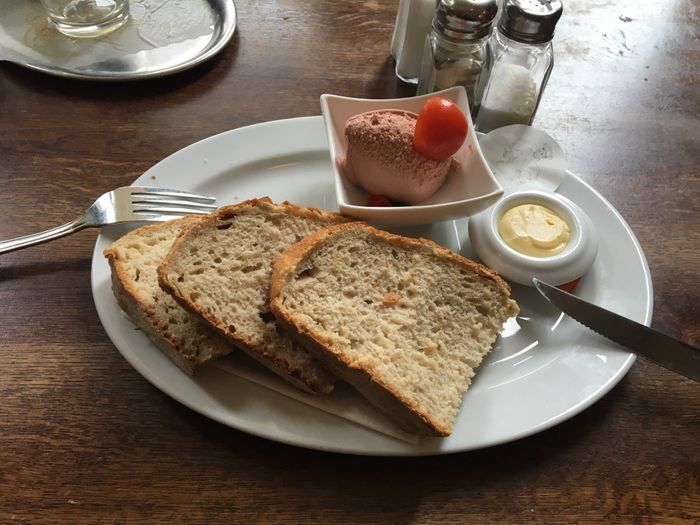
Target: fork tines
167 192
161 201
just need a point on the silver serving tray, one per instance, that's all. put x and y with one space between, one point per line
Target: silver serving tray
162 37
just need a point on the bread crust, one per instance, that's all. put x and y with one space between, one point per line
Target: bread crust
381 395
286 263
387 398
143 315
257 352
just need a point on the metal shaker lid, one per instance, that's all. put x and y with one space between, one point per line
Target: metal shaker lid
465 19
530 21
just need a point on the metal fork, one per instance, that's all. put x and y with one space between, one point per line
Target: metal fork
125 204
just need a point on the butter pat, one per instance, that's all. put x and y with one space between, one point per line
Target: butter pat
534 230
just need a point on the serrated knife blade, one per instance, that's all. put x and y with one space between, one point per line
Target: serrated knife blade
660 348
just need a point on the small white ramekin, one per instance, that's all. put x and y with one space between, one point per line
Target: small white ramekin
576 259
470 187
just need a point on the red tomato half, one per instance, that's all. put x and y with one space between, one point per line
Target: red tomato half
570 286
379 200
440 129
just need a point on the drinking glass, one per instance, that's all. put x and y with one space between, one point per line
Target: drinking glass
86 18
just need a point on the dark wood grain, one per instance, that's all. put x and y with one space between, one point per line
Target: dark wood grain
85 439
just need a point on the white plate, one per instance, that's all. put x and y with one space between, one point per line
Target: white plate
543 370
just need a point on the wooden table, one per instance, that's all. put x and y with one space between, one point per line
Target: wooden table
85 439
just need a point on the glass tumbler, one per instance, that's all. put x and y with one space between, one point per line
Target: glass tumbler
86 18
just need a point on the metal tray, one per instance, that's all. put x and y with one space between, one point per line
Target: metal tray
162 37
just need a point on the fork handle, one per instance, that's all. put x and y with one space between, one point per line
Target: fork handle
45 236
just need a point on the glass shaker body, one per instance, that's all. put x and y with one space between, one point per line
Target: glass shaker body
399 28
448 63
518 77
412 25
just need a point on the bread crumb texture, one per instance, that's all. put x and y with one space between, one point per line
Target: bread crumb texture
222 269
417 318
134 259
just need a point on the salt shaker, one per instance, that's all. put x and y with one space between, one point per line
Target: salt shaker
412 25
458 51
523 59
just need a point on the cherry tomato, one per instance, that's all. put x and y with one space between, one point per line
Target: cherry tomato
570 286
440 129
379 200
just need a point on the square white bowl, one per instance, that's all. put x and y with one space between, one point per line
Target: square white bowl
470 187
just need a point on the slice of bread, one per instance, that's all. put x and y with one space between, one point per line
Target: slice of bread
220 269
405 321
134 260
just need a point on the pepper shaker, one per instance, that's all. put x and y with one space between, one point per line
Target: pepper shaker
523 59
457 50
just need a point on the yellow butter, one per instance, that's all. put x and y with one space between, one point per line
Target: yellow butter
534 230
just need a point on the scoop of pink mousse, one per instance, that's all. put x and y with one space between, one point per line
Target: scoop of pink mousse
380 157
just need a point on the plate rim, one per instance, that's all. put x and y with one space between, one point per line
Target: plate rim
406 450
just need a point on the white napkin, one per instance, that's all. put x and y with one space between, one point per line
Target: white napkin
522 157
343 401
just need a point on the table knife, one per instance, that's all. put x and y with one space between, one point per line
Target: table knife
660 348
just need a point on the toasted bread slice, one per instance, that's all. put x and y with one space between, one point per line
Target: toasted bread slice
220 270
405 321
182 336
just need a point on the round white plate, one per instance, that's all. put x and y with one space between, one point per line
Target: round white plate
543 370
